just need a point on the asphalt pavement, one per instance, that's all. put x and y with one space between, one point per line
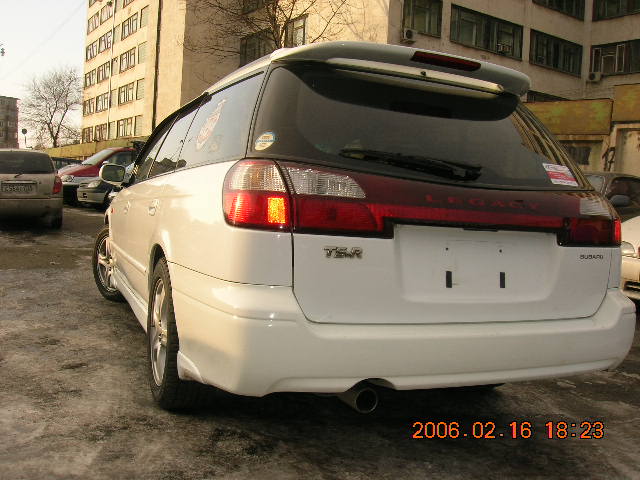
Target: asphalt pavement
75 403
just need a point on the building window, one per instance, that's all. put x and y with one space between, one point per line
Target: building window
126 2
425 16
295 34
90 78
129 26
128 60
87 134
88 106
125 127
138 127
106 12
104 42
255 46
126 93
487 33
114 66
102 102
144 17
103 71
112 129
142 52
93 22
92 50
116 33
91 2
574 8
140 89
113 99
580 155
533 96
616 58
555 53
100 132
603 9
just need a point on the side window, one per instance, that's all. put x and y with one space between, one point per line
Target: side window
221 127
167 157
141 170
619 186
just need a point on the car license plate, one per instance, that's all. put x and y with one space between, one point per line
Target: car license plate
17 187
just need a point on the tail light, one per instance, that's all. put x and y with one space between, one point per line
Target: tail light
57 185
255 196
294 197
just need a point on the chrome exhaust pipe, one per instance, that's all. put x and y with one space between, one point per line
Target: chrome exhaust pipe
362 399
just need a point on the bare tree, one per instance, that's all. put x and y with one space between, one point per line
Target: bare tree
225 22
49 103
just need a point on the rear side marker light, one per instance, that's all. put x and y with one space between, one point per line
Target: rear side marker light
445 61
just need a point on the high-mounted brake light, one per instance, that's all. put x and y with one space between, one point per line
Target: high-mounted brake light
446 61
329 201
57 185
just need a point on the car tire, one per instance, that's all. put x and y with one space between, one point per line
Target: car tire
168 390
55 222
103 267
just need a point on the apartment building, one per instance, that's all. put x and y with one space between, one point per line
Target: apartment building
8 122
117 74
138 69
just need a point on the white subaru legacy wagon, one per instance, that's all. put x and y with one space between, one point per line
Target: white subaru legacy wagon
345 215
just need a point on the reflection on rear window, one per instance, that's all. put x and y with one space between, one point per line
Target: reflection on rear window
25 162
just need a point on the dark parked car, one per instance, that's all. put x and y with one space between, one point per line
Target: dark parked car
95 192
29 186
621 189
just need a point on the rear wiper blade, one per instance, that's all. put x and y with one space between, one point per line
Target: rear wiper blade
432 166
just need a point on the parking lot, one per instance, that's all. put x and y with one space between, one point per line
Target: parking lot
74 401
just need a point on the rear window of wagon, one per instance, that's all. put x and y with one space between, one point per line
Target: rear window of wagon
324 116
14 162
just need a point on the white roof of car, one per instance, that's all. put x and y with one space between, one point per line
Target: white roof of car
390 58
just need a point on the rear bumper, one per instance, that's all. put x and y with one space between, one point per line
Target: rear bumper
30 207
630 277
254 340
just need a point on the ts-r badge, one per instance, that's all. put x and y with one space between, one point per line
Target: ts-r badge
343 252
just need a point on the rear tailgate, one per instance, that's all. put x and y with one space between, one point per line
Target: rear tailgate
452 255
427 274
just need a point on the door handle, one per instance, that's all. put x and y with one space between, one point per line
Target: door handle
153 207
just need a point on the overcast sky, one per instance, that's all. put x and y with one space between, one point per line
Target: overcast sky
37 36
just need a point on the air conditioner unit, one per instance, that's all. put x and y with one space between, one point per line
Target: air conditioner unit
594 77
504 48
409 35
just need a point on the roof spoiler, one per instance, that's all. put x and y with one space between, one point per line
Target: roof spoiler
508 80
451 69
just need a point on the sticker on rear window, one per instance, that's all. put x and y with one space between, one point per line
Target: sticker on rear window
265 140
209 125
560 175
